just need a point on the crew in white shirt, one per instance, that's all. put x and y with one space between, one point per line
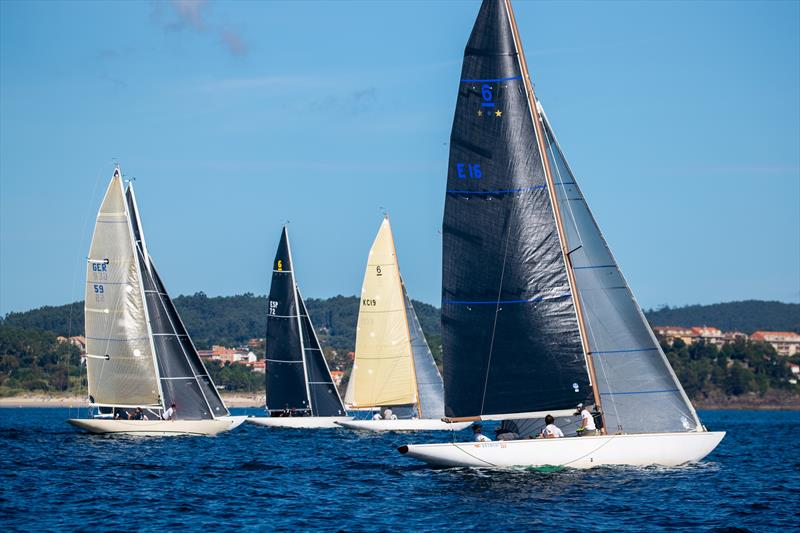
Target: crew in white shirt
587 427
551 431
477 436
169 414
377 416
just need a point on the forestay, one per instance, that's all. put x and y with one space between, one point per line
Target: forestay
119 362
510 332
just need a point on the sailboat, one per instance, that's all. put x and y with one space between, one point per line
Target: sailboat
300 390
393 366
139 355
536 314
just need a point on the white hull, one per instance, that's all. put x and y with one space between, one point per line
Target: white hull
414 424
667 449
299 422
159 428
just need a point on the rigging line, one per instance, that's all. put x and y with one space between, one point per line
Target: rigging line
496 310
550 142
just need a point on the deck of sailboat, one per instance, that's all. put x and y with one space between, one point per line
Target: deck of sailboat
159 428
299 422
664 449
414 424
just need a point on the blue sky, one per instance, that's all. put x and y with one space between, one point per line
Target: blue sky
681 121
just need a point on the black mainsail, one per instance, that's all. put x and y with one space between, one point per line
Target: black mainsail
534 306
511 338
298 377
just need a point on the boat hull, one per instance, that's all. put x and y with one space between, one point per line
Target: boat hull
666 449
299 422
414 424
159 428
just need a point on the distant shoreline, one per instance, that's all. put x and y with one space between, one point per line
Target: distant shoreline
258 400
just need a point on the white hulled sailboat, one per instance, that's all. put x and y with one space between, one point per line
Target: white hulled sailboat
138 353
300 390
393 366
536 314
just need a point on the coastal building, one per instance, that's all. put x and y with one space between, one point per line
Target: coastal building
337 376
670 333
786 343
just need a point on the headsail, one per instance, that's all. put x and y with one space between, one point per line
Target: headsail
383 370
184 379
325 399
511 338
429 381
639 390
120 363
286 368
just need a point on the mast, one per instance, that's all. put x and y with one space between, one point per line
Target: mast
532 105
139 249
405 315
299 321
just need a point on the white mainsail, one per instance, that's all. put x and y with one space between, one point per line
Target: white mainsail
120 361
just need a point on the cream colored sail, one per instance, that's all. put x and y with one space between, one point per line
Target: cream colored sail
120 362
383 370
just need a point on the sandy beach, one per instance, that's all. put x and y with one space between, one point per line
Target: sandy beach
44 400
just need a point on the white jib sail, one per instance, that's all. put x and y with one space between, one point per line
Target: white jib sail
120 363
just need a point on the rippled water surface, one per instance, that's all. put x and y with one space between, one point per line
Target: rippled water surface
255 478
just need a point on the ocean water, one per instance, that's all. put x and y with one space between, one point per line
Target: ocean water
53 477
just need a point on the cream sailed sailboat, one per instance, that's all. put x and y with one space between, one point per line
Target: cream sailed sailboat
536 314
393 366
138 352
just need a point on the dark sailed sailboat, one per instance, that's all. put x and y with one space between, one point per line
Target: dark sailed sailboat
300 390
536 315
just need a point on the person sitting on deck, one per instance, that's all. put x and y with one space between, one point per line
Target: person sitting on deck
551 431
477 436
169 414
138 414
377 416
120 414
587 427
389 415
503 432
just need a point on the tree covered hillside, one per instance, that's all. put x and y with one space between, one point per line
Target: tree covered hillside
746 316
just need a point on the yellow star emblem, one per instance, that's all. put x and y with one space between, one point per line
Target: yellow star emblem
480 112
498 113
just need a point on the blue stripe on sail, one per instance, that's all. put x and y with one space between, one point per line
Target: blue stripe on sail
498 191
496 302
117 340
638 392
492 79
624 351
594 266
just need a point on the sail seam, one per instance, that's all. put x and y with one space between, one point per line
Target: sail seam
498 191
494 302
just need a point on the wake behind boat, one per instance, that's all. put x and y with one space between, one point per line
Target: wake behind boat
536 315
393 367
141 363
300 389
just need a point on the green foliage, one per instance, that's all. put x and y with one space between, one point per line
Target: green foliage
746 316
739 368
32 359
235 377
